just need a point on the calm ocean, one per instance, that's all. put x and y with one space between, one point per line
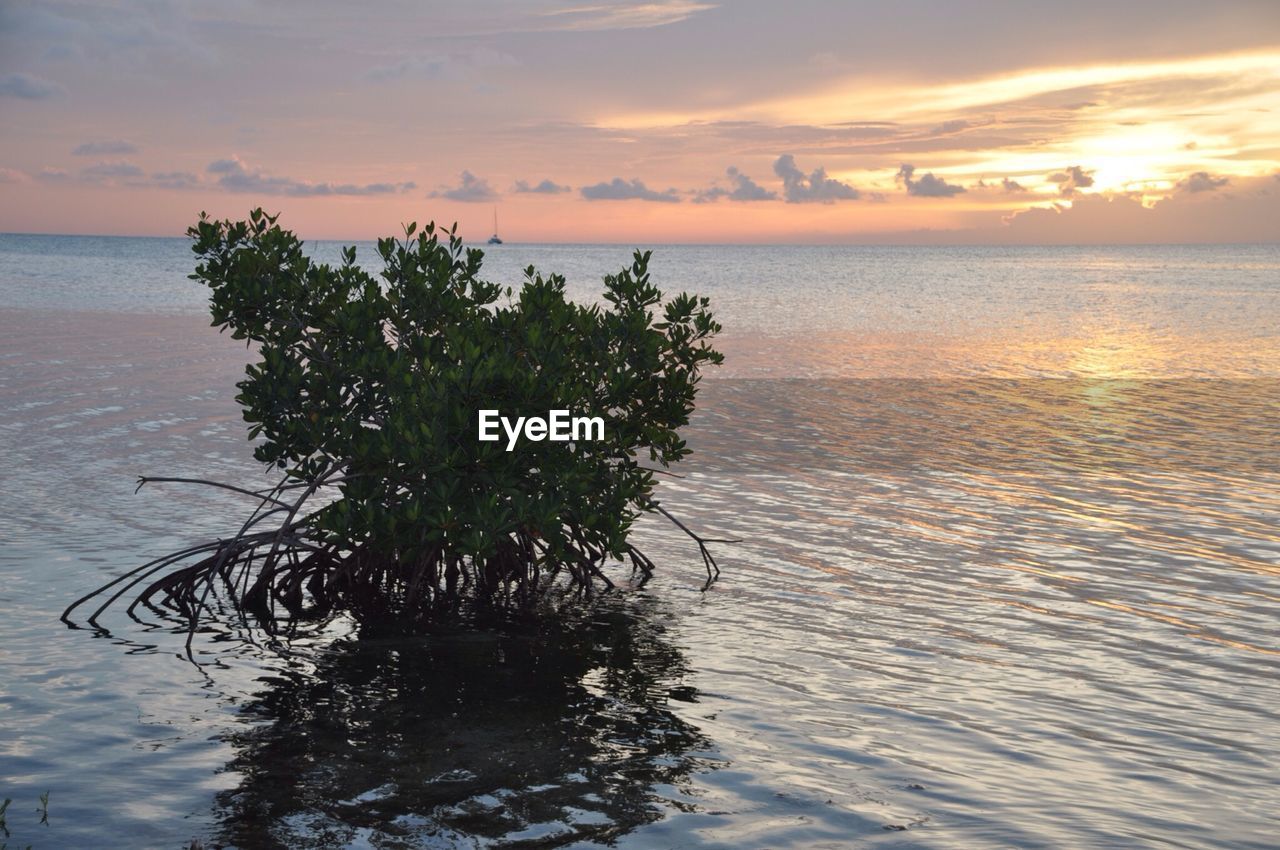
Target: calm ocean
1009 578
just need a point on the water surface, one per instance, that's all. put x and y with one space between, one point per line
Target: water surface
1009 577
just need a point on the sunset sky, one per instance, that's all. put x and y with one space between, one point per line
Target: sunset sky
675 120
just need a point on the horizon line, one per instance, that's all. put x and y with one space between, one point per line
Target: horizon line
853 244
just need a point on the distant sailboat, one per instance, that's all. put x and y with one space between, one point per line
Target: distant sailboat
495 239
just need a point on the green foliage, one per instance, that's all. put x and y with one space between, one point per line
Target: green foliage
374 383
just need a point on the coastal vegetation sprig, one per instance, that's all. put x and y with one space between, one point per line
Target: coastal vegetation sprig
365 396
5 834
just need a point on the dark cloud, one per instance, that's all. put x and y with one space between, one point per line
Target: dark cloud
1006 185
546 187
816 187
224 166
618 189
949 128
1072 178
1202 181
742 188
470 190
53 175
174 180
235 176
110 171
29 87
106 147
928 186
131 33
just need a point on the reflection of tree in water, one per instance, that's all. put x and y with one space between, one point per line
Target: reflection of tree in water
538 739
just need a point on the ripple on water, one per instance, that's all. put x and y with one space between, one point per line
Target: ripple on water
989 612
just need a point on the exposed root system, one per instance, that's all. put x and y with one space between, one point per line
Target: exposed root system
289 573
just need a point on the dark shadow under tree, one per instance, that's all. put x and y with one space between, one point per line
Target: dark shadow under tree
569 733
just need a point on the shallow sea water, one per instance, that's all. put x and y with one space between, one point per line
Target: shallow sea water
1010 577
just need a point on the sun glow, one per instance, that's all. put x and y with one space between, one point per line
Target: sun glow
1028 138
861 98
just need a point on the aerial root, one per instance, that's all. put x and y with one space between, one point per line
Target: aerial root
290 573
709 561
